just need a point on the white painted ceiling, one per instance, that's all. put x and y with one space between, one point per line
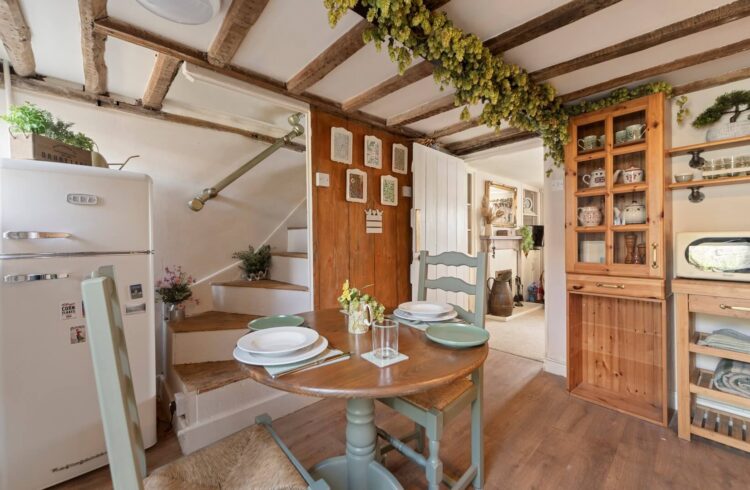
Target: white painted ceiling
290 33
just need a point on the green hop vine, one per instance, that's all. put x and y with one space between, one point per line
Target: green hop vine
462 61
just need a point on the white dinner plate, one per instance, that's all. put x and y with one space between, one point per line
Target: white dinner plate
425 308
425 318
277 341
256 360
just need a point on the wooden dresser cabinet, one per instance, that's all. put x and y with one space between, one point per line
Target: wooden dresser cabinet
616 257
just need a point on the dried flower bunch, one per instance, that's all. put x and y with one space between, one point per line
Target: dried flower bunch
174 286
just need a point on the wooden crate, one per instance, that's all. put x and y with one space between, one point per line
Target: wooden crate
38 147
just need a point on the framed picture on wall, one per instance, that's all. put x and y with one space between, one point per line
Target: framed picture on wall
373 152
400 161
388 190
356 186
501 203
341 145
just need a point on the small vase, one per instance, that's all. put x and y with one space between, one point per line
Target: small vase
359 318
255 276
175 313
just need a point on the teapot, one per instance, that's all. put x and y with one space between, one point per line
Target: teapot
630 175
634 214
595 179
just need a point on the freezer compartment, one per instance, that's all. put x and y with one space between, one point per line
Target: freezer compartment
53 208
50 427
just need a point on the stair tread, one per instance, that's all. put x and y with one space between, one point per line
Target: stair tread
296 255
211 321
296 227
207 376
262 284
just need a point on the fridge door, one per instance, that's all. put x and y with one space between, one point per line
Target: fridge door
50 428
52 208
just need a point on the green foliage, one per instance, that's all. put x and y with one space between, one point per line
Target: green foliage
30 119
461 60
527 240
353 297
254 261
729 103
683 112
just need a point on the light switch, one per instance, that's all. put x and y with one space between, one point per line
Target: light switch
406 191
322 179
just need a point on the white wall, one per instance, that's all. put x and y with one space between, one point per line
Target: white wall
182 160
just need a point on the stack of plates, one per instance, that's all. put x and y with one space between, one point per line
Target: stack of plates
425 311
278 346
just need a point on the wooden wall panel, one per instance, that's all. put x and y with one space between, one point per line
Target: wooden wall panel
342 249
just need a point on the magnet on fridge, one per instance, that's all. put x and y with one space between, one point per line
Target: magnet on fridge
136 291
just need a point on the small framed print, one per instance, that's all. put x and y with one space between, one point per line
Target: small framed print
356 186
341 145
400 161
388 190
373 152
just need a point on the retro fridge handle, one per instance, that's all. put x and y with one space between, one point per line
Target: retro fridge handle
34 277
34 235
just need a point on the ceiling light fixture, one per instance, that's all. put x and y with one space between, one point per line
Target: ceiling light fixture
191 12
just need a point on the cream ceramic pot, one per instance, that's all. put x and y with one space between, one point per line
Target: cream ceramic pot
634 214
630 175
589 216
595 179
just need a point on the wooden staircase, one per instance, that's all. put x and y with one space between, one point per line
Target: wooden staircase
214 396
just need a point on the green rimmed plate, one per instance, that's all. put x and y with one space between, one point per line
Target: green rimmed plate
456 335
276 321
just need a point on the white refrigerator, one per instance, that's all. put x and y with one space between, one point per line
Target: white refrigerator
59 223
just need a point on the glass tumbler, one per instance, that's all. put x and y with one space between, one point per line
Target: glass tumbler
385 339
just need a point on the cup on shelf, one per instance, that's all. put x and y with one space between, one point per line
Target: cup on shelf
742 163
621 136
588 142
385 339
635 132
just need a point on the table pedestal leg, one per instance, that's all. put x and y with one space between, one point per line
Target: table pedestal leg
358 469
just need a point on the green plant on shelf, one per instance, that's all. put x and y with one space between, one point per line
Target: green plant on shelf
729 103
29 119
254 263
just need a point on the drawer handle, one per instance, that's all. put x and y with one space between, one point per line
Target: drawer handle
735 308
610 286
577 287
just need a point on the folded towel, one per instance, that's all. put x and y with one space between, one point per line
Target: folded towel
729 339
732 377
276 370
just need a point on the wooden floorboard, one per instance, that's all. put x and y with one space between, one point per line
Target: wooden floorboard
537 436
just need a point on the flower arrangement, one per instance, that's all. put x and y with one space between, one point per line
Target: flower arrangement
30 119
352 298
255 263
174 287
461 60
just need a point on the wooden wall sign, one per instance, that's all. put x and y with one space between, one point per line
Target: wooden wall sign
374 221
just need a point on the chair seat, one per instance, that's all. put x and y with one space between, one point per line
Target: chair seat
439 398
249 459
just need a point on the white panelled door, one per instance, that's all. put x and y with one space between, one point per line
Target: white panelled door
439 216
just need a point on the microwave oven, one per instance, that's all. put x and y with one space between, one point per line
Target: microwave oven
719 255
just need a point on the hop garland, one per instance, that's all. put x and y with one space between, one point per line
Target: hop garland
462 61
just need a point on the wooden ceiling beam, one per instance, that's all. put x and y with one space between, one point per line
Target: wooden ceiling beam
428 109
240 18
16 37
692 25
109 102
164 72
490 140
92 45
455 128
415 73
678 64
732 76
141 37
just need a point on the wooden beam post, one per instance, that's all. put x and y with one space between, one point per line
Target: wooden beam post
164 71
490 140
92 45
16 38
732 76
240 18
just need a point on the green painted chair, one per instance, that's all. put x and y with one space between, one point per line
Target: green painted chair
433 409
251 458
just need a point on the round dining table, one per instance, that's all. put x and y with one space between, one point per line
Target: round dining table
429 365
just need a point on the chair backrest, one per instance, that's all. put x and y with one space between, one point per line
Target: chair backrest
114 383
454 284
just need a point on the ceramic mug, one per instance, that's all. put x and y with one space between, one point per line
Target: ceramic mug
635 132
588 142
597 178
621 136
589 216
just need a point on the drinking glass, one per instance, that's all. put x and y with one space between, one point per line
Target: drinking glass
385 339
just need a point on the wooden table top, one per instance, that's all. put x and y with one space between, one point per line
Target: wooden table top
429 365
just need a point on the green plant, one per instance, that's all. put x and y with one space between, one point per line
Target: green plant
353 297
729 103
527 240
254 261
174 286
683 112
507 92
30 119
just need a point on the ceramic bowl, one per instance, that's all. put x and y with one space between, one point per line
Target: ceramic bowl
683 177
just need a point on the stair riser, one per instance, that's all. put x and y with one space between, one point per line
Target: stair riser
297 240
259 301
192 347
293 270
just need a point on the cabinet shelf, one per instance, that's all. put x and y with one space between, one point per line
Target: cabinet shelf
721 427
627 188
715 351
595 154
595 191
624 228
744 179
591 229
711 145
701 384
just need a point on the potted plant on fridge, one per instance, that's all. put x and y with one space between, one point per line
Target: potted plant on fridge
173 289
254 263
